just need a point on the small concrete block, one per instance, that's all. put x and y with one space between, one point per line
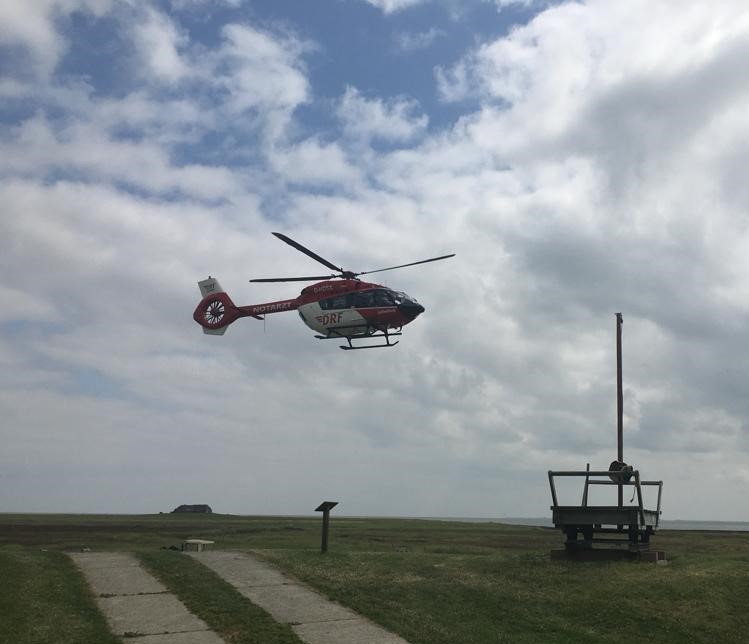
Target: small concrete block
293 604
148 614
346 631
196 545
239 569
193 637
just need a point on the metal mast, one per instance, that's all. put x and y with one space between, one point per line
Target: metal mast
619 401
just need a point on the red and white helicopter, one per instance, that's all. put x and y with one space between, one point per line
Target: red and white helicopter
349 309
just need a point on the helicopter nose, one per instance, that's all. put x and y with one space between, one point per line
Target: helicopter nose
411 309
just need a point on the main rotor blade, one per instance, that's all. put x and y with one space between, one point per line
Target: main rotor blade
307 252
295 279
423 261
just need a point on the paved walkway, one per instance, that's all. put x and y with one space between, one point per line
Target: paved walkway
315 619
136 604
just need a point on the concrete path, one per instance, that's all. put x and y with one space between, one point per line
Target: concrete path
314 618
136 604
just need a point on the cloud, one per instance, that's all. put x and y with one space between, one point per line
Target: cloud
31 25
36 148
414 41
502 4
23 306
595 166
313 163
261 71
394 120
158 42
593 174
393 6
253 75
192 5
247 86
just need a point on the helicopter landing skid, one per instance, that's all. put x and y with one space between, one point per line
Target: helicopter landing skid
374 333
351 347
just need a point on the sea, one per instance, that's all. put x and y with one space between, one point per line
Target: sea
665 524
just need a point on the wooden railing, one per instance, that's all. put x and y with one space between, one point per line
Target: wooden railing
614 477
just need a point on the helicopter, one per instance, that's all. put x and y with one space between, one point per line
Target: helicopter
349 309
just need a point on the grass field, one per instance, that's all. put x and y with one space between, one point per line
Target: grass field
432 582
44 599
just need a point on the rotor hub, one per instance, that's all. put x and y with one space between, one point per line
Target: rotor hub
214 312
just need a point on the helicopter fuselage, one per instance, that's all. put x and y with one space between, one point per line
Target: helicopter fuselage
351 308
342 309
345 307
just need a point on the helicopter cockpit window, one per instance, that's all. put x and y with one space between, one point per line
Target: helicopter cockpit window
363 299
402 298
383 298
338 302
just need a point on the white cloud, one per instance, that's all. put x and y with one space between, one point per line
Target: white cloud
595 167
261 71
251 81
158 42
501 4
19 305
393 120
191 5
612 43
413 41
31 25
165 120
602 171
393 6
37 148
311 162
455 84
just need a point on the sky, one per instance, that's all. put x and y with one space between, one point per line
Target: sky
580 158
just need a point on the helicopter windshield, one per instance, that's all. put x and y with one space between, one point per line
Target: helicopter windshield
401 298
364 299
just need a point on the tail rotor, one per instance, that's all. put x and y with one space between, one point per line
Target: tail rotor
216 311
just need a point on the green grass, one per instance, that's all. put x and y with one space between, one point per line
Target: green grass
152 531
481 584
44 599
510 597
216 602
438 582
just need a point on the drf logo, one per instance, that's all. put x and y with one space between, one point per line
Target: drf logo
330 318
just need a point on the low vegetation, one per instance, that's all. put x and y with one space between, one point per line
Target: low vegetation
432 582
45 599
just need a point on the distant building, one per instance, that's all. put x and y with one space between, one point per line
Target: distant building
194 509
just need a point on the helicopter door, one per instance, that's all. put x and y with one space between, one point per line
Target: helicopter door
333 316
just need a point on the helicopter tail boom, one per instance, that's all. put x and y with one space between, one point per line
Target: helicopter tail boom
216 311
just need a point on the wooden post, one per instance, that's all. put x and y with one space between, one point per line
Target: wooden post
325 507
619 402
325 523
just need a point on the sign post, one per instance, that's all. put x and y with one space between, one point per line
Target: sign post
325 507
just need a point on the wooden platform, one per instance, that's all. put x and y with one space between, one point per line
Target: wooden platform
604 515
606 532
